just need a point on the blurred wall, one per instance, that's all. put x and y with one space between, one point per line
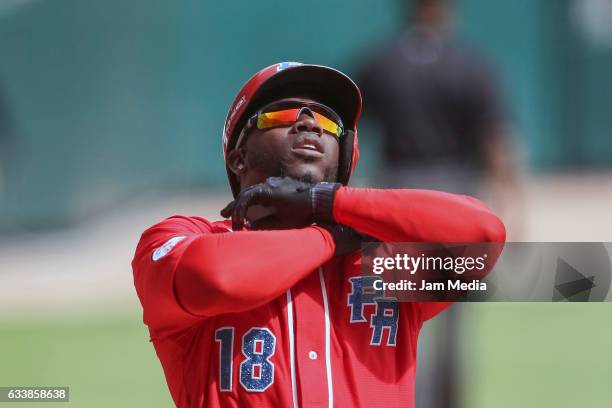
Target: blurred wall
113 98
555 58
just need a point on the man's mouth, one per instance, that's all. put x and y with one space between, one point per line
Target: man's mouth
308 147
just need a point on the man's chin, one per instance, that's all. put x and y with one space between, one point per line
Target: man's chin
305 176
309 175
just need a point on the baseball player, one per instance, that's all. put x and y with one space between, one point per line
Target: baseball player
268 308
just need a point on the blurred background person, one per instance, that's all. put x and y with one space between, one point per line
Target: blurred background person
443 127
439 104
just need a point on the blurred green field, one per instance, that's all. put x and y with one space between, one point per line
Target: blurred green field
518 355
540 355
106 361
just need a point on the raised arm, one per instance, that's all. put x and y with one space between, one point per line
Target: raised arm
419 216
387 215
184 271
416 216
233 272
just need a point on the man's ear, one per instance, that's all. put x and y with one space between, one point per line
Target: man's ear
236 162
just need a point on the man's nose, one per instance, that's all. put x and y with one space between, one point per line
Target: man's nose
306 122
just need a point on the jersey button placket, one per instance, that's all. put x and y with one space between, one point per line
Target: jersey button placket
310 342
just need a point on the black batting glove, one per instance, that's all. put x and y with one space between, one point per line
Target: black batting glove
294 204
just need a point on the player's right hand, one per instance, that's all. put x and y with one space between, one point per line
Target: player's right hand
295 204
289 198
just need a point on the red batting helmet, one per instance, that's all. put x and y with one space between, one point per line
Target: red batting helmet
286 79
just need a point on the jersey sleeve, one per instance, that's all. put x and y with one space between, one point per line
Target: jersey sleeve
157 257
405 215
420 216
184 271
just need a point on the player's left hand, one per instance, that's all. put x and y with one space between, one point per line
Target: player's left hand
295 204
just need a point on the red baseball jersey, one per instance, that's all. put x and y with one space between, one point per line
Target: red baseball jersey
271 318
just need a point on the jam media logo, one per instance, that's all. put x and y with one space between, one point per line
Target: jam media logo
583 273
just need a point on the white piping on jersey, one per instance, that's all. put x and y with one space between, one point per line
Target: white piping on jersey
291 347
330 388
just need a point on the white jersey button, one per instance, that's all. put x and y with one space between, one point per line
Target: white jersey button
312 355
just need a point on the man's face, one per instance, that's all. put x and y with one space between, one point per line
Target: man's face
302 150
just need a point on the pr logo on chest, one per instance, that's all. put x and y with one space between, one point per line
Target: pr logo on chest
383 313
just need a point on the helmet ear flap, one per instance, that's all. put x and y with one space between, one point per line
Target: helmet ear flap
345 158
